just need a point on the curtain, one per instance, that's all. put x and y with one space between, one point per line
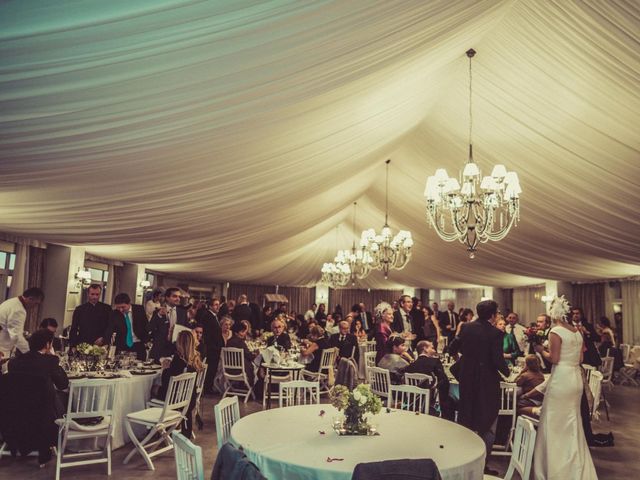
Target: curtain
300 298
20 272
113 283
35 278
527 303
631 312
591 298
347 297
255 293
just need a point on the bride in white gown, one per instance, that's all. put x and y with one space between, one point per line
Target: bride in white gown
561 451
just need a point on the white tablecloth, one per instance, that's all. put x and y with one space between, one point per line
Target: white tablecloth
132 394
286 443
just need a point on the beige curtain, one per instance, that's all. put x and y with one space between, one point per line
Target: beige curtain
527 303
347 297
300 298
631 312
591 298
35 277
255 293
20 272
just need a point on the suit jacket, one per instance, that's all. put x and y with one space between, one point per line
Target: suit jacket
283 341
43 365
370 320
443 320
347 346
242 312
430 366
89 323
481 347
159 328
256 316
118 325
211 331
398 324
591 355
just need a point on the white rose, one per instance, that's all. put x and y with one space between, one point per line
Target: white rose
357 396
362 400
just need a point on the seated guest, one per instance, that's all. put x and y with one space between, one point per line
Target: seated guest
201 347
347 343
225 325
239 340
187 359
384 317
396 360
40 365
329 325
530 403
51 324
280 338
429 363
313 347
358 330
129 323
531 375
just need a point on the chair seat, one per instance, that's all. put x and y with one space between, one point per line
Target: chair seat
73 425
152 416
490 477
155 402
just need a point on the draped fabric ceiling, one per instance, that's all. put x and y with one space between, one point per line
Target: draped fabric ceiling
228 140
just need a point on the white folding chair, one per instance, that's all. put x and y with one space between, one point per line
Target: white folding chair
88 400
587 370
299 392
607 372
508 393
595 385
625 350
200 376
161 421
524 442
227 413
417 379
379 379
370 346
408 397
189 464
234 373
369 361
327 362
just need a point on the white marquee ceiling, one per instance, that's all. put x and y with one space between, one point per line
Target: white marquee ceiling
227 139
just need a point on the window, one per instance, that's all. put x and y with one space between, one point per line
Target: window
7 264
100 275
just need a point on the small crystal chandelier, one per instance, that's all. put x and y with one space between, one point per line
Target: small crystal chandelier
335 274
358 258
483 209
387 252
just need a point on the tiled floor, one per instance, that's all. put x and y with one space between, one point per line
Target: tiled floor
619 462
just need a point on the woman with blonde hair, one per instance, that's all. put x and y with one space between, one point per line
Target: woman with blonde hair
186 359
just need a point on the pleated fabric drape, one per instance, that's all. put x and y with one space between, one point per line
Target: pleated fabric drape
631 311
528 304
347 297
591 298
35 278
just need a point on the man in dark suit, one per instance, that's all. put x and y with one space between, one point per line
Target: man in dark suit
90 320
482 358
346 342
402 321
429 363
366 318
163 322
589 335
212 338
280 338
448 321
417 320
129 323
242 310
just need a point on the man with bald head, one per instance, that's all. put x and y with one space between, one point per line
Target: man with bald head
345 341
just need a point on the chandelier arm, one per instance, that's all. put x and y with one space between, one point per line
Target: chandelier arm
446 236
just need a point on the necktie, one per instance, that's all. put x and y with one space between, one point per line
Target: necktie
364 321
171 314
342 338
129 330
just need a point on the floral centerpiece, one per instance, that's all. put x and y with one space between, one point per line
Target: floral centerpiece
91 354
356 404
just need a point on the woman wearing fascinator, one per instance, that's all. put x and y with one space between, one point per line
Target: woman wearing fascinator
561 450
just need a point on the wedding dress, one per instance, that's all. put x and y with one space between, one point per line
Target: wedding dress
561 451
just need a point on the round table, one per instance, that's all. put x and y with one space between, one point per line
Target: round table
287 443
132 394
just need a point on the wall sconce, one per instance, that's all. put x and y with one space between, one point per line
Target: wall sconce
145 284
84 278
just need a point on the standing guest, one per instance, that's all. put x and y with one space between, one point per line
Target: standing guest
186 358
607 337
129 323
90 320
543 323
13 314
213 341
38 363
337 311
224 308
417 320
429 363
431 328
466 315
509 345
311 313
384 316
256 320
153 304
345 341
531 376
578 320
280 338
321 314
365 317
314 346
449 321
518 331
330 325
163 322
267 317
482 361
242 310
358 330
402 321
51 324
239 340
396 359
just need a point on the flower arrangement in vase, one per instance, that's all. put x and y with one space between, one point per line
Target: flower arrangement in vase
356 404
91 355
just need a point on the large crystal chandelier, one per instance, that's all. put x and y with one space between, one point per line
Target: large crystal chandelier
482 209
387 251
358 258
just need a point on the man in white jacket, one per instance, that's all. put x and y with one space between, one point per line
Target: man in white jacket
13 313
